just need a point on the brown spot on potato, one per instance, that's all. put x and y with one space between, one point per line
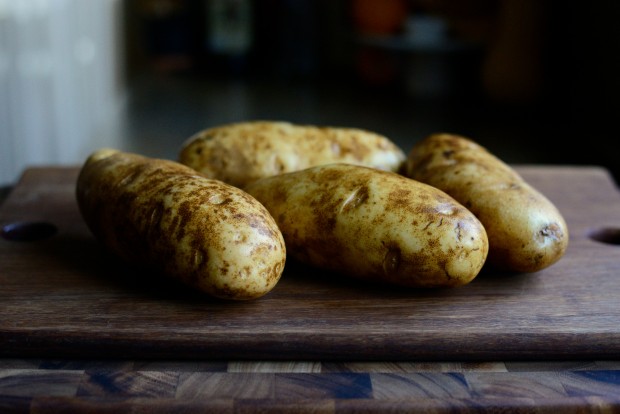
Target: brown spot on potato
432 243
278 165
400 200
325 223
458 230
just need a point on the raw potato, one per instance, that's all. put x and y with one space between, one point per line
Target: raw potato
526 231
165 216
244 152
374 225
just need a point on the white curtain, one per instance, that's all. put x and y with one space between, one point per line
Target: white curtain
61 81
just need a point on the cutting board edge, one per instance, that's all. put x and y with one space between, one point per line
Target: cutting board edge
280 346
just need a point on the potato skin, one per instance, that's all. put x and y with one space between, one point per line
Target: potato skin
240 153
163 215
374 225
526 231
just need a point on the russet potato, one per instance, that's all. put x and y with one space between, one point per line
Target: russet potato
167 217
240 153
526 231
375 225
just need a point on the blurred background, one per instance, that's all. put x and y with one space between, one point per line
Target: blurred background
535 81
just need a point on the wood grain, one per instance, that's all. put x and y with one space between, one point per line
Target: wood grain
65 297
48 386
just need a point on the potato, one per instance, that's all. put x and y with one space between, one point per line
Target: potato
243 152
375 225
165 216
526 231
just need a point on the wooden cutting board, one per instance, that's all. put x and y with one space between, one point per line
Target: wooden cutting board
64 296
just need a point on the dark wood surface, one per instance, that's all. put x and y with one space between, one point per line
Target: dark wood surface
65 297
82 332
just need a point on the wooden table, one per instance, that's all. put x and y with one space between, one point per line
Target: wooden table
80 331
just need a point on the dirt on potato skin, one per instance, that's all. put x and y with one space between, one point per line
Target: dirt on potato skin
165 216
527 233
240 153
375 225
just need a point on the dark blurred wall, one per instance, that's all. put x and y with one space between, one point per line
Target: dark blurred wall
540 49
552 65
585 73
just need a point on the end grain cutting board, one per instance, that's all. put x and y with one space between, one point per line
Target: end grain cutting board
64 296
